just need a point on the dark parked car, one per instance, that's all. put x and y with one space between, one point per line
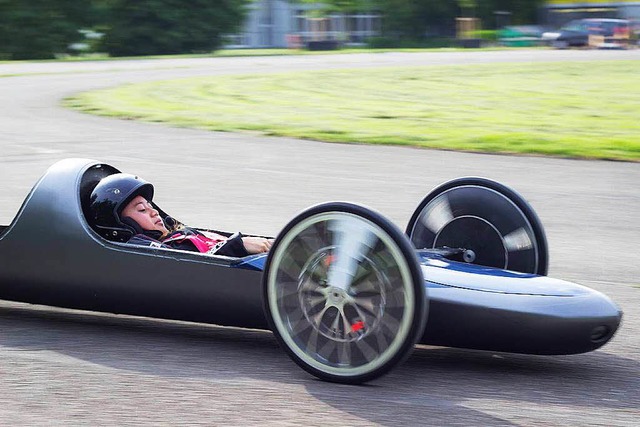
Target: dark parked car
612 33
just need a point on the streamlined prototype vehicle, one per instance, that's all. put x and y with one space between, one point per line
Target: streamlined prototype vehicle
346 293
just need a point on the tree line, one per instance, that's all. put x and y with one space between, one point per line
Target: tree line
40 29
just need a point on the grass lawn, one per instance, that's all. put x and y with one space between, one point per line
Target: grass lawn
571 109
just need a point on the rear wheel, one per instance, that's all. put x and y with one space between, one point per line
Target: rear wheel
344 293
491 223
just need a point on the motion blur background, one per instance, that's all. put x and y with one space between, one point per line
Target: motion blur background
44 29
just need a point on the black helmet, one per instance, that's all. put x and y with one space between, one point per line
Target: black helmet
109 198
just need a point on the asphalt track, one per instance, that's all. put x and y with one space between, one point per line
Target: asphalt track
78 368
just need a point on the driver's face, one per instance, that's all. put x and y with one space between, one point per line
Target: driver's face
142 212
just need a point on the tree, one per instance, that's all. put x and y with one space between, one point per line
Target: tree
413 19
468 7
39 29
153 27
328 6
522 11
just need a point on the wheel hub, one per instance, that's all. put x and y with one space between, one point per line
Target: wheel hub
468 255
336 296
336 313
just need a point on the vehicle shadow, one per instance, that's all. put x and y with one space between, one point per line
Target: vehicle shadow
441 382
433 382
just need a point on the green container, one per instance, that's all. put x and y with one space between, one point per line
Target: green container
520 36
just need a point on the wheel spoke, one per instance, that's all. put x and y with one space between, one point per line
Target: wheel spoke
312 342
290 269
296 314
366 303
314 302
328 348
300 326
311 286
336 323
344 353
365 284
361 277
310 242
390 323
362 315
368 352
287 291
317 318
346 324
381 340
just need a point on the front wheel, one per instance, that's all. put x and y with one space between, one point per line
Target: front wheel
344 293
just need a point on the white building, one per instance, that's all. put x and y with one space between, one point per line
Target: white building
281 23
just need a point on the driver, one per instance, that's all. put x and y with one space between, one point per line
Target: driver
121 209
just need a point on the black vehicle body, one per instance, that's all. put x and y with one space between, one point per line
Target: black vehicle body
50 255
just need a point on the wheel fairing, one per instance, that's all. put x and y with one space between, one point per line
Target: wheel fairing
497 211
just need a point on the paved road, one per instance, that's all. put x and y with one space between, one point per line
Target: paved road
58 366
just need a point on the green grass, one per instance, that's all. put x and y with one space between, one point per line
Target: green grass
572 109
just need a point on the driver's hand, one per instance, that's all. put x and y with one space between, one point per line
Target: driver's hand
257 245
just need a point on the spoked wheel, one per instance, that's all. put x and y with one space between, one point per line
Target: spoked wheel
491 223
344 293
